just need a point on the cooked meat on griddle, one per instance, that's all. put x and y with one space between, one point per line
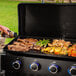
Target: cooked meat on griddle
28 40
23 45
16 43
21 40
17 48
58 47
60 43
37 47
31 40
10 47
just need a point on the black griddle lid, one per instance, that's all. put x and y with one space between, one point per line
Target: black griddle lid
47 20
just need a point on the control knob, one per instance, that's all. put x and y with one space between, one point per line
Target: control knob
16 65
35 66
72 70
53 68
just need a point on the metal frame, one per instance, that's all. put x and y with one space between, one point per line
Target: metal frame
2 72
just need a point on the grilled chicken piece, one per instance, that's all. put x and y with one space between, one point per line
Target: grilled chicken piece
67 44
29 45
23 44
31 40
16 43
37 48
21 40
19 43
10 47
18 48
28 40
55 42
60 43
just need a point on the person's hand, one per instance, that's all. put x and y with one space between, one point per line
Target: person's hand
4 29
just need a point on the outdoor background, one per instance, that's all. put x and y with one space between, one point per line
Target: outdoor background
9 16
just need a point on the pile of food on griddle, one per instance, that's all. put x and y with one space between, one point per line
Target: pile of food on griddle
57 46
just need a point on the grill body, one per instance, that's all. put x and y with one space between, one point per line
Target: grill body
43 21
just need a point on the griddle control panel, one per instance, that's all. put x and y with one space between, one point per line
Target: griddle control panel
34 66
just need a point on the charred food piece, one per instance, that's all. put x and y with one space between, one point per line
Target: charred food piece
37 47
17 48
16 43
60 43
23 45
10 47
31 40
28 40
21 40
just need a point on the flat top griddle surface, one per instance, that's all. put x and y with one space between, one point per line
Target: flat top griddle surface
35 53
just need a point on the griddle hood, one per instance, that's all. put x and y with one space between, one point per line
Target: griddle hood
47 20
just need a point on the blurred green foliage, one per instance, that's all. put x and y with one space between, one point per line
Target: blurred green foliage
9 15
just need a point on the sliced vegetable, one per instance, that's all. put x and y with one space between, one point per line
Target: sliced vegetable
57 50
43 42
73 53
